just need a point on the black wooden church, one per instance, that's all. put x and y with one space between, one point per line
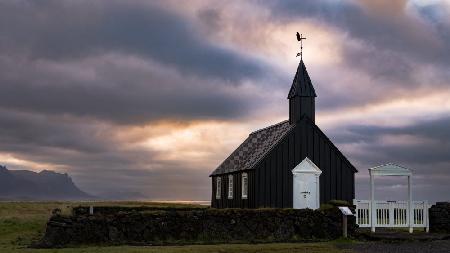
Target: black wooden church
259 173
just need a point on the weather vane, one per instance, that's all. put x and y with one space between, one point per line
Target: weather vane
300 38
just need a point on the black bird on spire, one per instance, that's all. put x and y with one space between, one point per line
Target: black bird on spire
300 38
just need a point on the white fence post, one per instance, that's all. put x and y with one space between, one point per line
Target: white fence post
373 207
426 217
391 213
410 208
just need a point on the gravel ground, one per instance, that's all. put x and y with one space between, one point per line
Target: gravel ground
439 246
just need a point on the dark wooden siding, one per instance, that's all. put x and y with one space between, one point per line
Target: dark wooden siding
270 183
299 106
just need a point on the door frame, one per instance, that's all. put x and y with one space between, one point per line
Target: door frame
306 167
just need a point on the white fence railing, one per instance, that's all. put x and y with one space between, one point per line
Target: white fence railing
392 214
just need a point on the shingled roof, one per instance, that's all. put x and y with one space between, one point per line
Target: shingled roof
254 148
302 85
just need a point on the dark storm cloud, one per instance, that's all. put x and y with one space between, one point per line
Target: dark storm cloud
423 146
72 72
388 42
23 132
61 30
113 88
432 145
434 129
125 62
387 27
379 64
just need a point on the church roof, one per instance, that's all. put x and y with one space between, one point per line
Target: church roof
302 85
254 148
259 143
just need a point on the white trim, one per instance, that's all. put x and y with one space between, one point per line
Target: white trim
218 187
307 166
244 186
230 186
390 169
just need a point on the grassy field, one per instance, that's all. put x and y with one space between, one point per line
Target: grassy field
21 223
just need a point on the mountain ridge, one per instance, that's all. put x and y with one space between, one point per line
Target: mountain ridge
43 185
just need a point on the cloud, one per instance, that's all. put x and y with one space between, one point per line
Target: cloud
122 62
360 46
97 157
147 159
24 131
423 147
397 28
62 30
430 139
76 76
388 45
114 87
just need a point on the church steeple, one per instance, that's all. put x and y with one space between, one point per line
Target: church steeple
301 96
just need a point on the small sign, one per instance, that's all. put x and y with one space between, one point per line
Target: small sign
345 210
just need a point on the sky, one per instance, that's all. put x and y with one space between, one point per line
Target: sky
144 99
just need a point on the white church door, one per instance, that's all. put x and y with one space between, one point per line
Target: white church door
306 191
306 185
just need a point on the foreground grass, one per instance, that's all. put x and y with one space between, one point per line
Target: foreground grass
21 223
231 248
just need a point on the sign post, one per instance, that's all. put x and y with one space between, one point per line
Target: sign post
345 212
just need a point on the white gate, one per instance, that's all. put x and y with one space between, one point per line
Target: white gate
392 214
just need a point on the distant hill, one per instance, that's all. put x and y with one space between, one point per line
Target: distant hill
45 185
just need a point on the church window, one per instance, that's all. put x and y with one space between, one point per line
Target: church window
218 187
230 186
244 186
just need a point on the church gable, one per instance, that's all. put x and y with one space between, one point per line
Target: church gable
273 175
305 121
307 166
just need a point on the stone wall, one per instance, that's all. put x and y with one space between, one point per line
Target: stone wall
440 217
110 210
162 227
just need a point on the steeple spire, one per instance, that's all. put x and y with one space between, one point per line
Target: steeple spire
302 94
302 85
